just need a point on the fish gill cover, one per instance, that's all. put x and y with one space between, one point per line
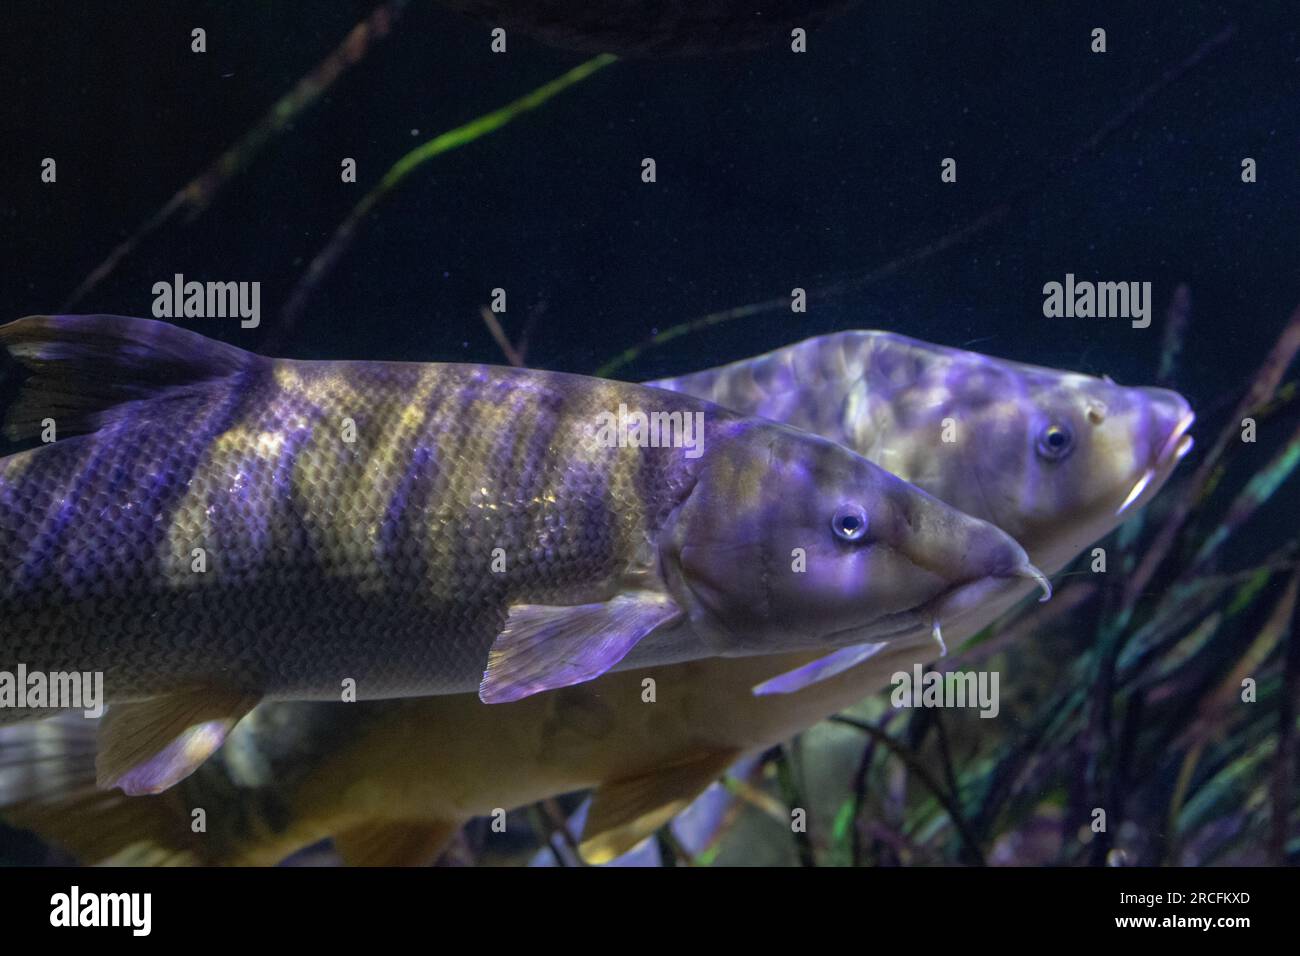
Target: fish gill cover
1017 260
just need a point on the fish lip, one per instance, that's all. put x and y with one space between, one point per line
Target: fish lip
898 624
984 588
1172 450
921 618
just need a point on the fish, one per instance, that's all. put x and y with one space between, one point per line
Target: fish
1054 458
1016 444
669 28
213 528
393 783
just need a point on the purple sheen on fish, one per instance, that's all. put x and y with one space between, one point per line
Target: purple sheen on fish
523 657
822 668
1053 458
445 759
173 763
1049 456
212 519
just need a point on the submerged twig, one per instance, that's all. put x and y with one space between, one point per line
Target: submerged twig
860 790
1177 318
545 829
734 809
1214 711
956 237
512 354
1259 489
404 167
755 797
790 791
195 196
671 850
1261 391
910 760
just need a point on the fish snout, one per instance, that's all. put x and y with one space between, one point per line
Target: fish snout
1167 419
969 549
972 561
1170 416
988 580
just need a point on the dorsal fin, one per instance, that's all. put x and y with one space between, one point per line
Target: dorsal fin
82 369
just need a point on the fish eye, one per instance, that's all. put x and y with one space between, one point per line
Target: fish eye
1055 442
849 523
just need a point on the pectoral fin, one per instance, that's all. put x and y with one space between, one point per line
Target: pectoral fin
543 646
625 812
147 746
395 842
819 670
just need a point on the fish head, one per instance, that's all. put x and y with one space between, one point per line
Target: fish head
788 540
1056 459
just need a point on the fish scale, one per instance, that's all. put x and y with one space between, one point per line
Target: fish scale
298 585
433 763
215 528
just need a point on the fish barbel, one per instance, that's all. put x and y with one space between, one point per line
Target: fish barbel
392 782
213 528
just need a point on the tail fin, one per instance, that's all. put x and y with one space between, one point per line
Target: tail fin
47 786
83 370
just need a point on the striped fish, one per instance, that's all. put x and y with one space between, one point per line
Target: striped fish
213 528
391 783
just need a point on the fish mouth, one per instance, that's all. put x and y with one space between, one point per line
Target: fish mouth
973 594
857 649
951 603
1174 448
1179 443
977 593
